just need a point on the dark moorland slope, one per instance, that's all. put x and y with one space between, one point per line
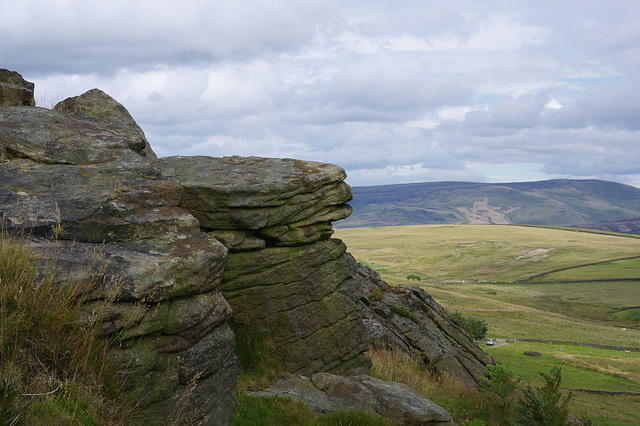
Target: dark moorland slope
560 202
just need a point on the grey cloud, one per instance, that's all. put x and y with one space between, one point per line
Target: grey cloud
546 83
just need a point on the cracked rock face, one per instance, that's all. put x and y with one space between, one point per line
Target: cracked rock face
82 182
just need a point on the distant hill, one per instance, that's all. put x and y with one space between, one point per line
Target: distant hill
559 202
630 226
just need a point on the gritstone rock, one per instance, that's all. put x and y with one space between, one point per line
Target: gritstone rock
407 319
285 277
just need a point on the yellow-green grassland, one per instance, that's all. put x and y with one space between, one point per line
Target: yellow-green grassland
572 289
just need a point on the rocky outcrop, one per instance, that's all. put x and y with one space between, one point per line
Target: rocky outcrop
87 191
407 319
325 393
15 90
182 245
285 277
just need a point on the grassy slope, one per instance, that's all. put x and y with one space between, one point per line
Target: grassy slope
485 271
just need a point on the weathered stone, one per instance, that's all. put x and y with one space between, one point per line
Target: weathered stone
238 240
85 188
257 193
304 301
317 227
94 203
15 90
407 319
324 393
96 103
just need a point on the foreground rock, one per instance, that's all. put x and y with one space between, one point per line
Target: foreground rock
407 319
86 189
285 278
324 392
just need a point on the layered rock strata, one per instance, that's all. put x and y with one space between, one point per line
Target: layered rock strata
84 185
285 278
407 319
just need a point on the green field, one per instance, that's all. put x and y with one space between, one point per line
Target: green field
559 285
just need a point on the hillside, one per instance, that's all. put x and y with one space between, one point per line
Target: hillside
561 202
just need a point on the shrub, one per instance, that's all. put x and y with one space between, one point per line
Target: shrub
499 391
475 327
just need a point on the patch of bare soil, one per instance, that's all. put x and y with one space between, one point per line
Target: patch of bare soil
483 213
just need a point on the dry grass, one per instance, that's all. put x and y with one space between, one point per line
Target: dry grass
53 365
461 402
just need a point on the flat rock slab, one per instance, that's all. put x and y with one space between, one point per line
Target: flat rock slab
325 392
256 193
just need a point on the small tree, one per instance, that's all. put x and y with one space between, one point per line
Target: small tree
500 390
544 405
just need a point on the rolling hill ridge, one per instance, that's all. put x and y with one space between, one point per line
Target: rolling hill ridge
558 202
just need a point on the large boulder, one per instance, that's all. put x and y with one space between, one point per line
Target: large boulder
326 393
406 319
15 90
96 103
286 279
86 190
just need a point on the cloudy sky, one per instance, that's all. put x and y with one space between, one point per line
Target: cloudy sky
393 91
